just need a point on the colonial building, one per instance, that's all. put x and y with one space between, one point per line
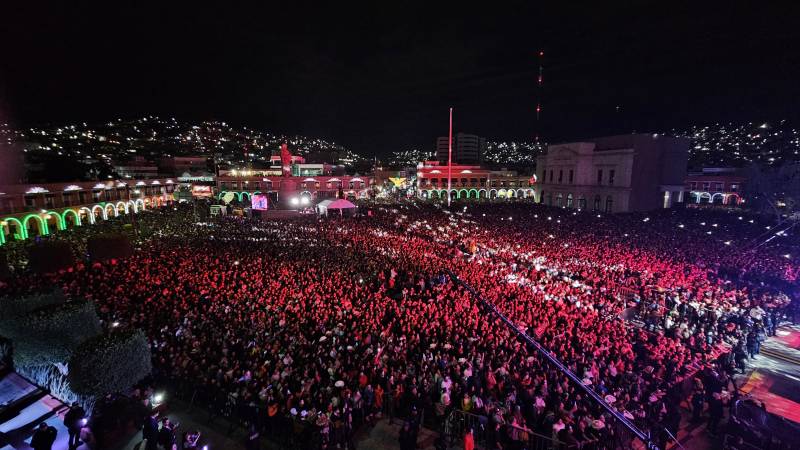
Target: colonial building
282 189
721 186
28 210
637 172
471 182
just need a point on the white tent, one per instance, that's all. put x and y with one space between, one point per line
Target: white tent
341 205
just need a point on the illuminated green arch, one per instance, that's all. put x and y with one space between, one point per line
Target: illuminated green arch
22 232
221 194
43 229
475 191
463 192
125 207
76 217
141 204
60 224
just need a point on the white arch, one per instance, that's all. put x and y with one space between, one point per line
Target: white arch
102 211
89 213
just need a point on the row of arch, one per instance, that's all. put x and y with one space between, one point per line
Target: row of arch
242 196
479 193
717 197
21 228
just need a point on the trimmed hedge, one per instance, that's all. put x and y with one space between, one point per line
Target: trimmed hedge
17 306
50 333
110 363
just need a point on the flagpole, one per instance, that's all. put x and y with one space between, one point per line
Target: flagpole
450 159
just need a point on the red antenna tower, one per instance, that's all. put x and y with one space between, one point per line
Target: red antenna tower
539 82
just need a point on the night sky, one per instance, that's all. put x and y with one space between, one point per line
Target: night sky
380 78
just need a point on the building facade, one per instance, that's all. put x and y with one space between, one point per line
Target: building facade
281 189
28 210
715 186
468 149
471 182
637 172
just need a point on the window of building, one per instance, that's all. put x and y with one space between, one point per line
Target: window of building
570 176
569 200
609 204
597 203
30 200
541 197
559 200
551 175
581 203
600 176
549 199
734 187
48 200
718 187
611 177
560 176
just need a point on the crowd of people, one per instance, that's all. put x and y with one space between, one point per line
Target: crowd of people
328 324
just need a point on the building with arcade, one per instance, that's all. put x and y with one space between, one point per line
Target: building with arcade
718 186
29 210
471 182
281 189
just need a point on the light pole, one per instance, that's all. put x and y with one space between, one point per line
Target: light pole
450 159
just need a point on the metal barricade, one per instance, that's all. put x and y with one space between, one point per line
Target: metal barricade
458 422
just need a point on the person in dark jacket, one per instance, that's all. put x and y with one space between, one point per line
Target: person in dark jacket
74 421
166 435
150 431
44 437
715 412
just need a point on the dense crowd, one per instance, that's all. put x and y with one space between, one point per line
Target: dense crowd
327 324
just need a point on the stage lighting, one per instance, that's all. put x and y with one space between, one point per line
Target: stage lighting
304 200
295 201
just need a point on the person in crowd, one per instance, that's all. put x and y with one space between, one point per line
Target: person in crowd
150 430
74 421
166 435
317 324
44 437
